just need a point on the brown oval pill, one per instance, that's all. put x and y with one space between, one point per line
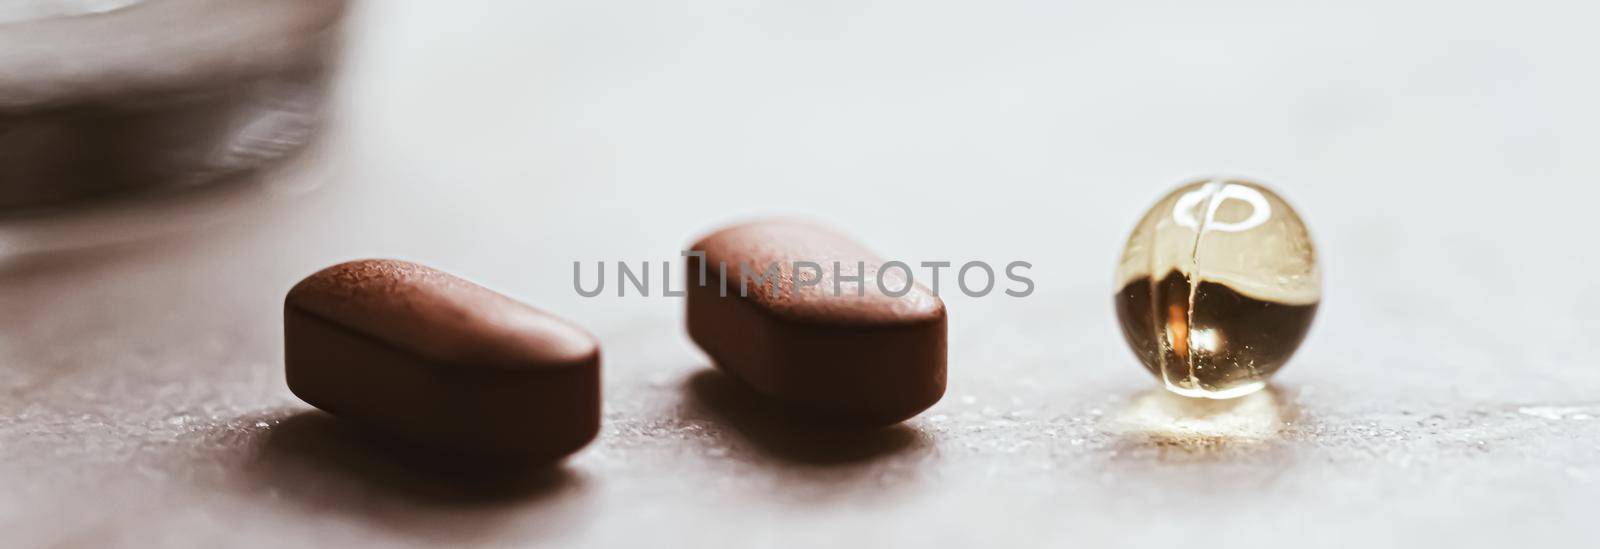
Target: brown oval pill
435 360
870 354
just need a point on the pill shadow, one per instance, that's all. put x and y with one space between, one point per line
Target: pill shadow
785 437
328 466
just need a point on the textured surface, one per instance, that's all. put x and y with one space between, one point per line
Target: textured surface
1441 153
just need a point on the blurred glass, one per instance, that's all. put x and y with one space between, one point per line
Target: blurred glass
25 10
141 102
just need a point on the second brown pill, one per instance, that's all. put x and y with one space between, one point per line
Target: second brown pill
778 304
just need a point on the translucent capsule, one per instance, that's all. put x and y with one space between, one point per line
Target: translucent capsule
1217 287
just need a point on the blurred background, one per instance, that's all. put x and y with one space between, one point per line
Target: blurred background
1441 153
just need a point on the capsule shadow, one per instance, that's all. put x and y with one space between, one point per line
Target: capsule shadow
329 466
1196 428
786 437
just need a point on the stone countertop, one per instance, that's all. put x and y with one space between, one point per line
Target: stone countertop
1440 151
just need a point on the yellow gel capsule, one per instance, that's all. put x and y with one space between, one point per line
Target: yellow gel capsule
1217 287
